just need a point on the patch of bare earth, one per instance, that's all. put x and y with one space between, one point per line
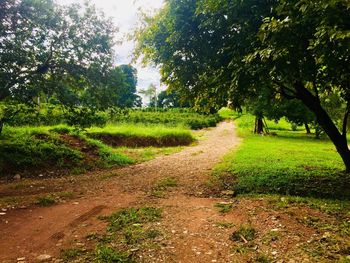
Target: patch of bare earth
193 229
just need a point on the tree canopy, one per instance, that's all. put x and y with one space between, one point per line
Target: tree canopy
220 50
63 54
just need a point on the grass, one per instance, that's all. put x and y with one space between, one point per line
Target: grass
244 233
290 163
224 207
137 135
131 216
105 254
28 147
46 200
163 185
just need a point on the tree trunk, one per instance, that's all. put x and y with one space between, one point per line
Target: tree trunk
326 123
259 125
307 128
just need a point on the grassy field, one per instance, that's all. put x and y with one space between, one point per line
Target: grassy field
290 162
140 135
34 150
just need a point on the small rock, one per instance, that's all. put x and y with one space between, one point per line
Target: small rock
75 203
3 209
21 259
40 217
274 253
41 175
17 177
2 214
43 258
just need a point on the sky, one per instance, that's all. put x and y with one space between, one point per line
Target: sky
124 15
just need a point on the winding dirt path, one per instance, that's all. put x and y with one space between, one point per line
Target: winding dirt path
188 216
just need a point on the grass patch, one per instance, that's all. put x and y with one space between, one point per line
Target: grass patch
132 135
162 185
290 163
70 254
106 254
27 147
244 233
130 216
45 201
224 207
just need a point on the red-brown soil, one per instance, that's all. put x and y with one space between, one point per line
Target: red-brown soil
190 218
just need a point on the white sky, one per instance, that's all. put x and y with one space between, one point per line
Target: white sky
124 15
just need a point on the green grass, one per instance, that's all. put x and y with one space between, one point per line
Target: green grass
162 185
140 135
131 216
46 201
244 232
26 147
288 163
224 207
106 254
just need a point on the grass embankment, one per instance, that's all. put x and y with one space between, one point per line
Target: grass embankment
290 162
31 151
132 135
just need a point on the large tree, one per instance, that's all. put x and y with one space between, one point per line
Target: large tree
215 50
59 51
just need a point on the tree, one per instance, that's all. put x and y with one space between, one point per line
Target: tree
297 49
151 93
59 51
171 99
128 96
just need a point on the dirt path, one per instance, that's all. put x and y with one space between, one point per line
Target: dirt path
188 218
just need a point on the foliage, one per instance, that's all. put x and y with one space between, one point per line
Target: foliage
292 49
51 49
170 117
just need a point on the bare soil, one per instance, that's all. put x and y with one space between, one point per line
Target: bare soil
191 223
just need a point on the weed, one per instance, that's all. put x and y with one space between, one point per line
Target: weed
262 258
70 254
244 232
224 207
162 185
106 254
129 216
45 201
